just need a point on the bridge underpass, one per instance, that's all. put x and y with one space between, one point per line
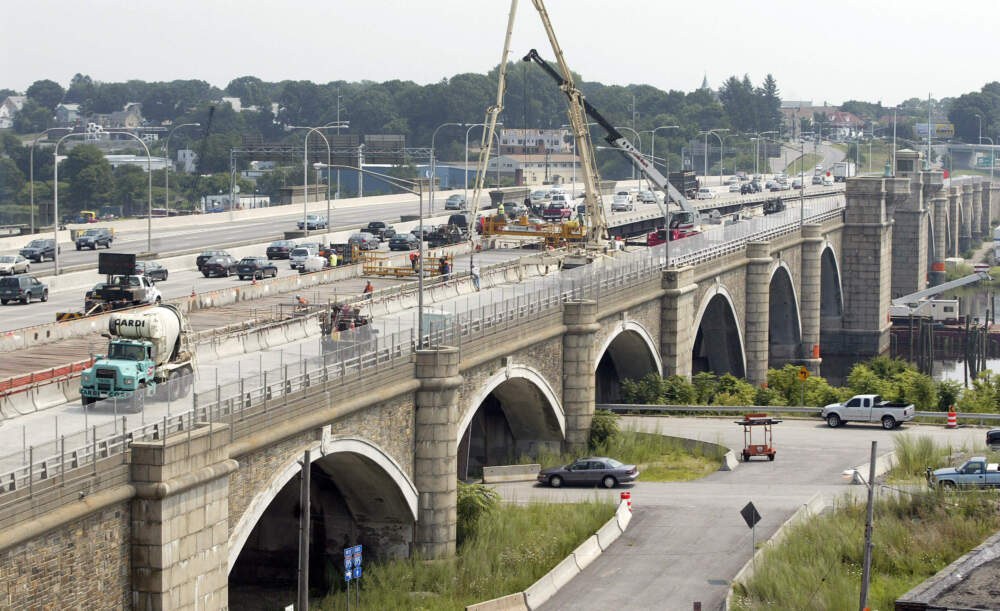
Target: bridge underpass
784 328
629 355
358 495
718 343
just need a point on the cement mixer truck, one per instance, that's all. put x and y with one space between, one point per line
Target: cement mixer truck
147 348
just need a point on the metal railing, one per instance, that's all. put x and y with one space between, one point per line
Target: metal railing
357 353
620 408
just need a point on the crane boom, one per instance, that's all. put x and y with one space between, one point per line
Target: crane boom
597 225
622 144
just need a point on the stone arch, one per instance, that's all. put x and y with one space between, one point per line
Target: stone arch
784 320
831 287
377 490
627 353
931 250
720 346
518 410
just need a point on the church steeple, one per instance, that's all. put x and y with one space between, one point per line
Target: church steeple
704 82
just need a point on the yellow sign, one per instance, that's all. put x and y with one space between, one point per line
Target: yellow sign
803 373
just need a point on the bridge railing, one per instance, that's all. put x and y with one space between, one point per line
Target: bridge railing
358 353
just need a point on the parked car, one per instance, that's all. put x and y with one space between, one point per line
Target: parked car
209 254
22 288
868 408
705 193
607 472
256 267
281 249
92 238
621 203
313 221
300 254
152 270
39 250
404 241
13 264
380 229
223 265
974 473
367 241
455 202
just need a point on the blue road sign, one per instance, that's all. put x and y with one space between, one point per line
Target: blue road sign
357 572
357 550
348 551
357 561
347 563
347 575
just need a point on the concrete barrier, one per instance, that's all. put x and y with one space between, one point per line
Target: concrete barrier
70 390
883 464
539 592
511 602
252 343
273 336
608 534
294 330
729 461
510 473
624 515
587 552
48 395
21 403
229 347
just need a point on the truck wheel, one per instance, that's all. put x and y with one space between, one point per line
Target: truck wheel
833 420
948 485
27 298
87 401
888 423
78 247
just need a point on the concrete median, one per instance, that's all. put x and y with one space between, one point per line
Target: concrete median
70 390
587 552
511 602
229 347
47 395
251 342
608 534
274 336
623 515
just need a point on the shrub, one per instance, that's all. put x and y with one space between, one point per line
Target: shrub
916 388
603 428
705 385
769 396
863 381
654 390
734 391
474 501
948 392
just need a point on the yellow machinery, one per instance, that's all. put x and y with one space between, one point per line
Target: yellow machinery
554 234
381 264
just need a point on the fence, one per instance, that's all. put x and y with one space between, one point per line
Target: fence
256 400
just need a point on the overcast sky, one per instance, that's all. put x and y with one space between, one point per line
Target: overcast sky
862 49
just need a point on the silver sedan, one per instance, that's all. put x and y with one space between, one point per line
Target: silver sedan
13 264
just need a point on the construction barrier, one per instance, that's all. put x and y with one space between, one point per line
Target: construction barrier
952 420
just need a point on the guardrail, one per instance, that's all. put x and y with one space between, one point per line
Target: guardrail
46 376
354 355
619 408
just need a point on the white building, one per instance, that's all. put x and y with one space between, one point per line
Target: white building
534 141
536 169
141 161
9 109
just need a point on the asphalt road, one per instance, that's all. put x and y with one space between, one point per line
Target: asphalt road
687 540
831 155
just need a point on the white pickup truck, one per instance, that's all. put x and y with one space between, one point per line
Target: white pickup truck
868 408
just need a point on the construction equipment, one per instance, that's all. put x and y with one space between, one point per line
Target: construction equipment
122 288
688 217
147 348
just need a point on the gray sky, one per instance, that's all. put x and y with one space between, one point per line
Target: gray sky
827 51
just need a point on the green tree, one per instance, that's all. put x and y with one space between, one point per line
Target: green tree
89 175
131 190
47 93
705 385
734 391
32 118
948 392
11 181
250 90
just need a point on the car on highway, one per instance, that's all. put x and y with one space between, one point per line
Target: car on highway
22 288
797 183
300 254
828 181
621 203
380 229
280 249
428 229
208 254
222 265
13 264
404 241
558 210
39 250
735 187
705 193
256 268
591 471
733 180
152 270
369 241
312 221
770 184
92 238
817 179
454 202
538 198
647 197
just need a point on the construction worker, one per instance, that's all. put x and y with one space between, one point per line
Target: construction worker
333 258
369 289
413 260
500 210
474 270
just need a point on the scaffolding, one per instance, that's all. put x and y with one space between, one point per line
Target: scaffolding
380 263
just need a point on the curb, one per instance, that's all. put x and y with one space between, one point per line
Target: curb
813 506
545 588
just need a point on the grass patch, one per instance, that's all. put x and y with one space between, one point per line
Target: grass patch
510 549
818 564
914 453
806 164
659 458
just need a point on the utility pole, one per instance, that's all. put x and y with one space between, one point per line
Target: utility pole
867 567
304 517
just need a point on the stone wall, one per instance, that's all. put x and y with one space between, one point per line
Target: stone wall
389 425
82 565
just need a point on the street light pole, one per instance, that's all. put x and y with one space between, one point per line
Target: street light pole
166 169
149 171
465 190
433 168
31 172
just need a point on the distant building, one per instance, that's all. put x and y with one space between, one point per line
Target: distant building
534 169
67 115
130 117
540 141
140 161
9 108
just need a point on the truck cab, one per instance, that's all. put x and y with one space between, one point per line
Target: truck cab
868 408
128 366
974 473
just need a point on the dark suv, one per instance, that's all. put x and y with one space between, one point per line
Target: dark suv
209 254
380 229
92 238
223 265
282 249
39 250
255 267
22 288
